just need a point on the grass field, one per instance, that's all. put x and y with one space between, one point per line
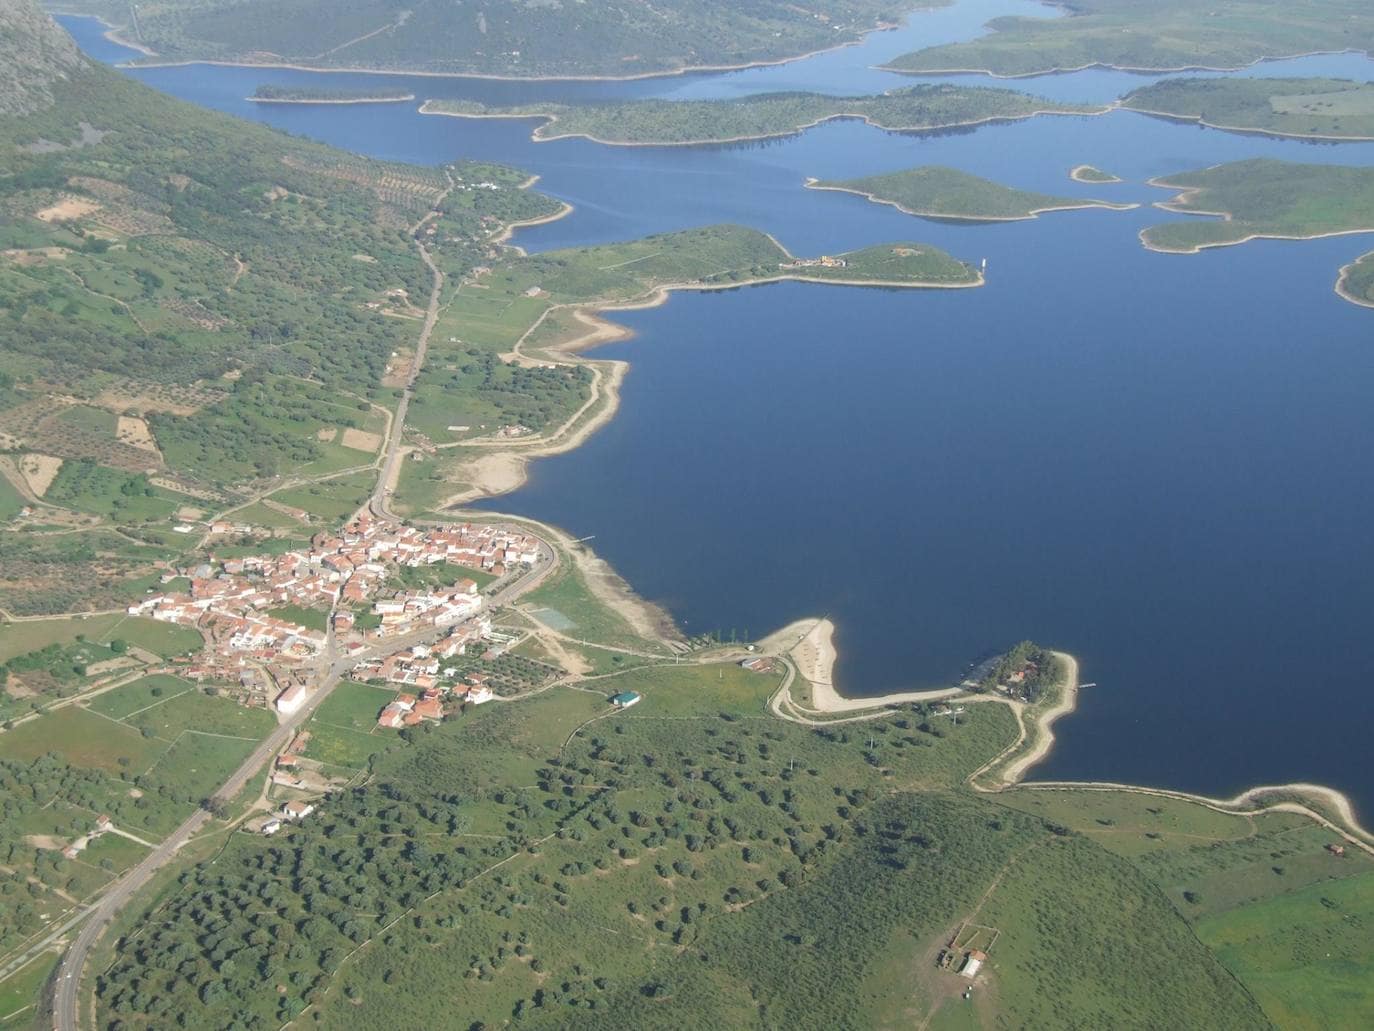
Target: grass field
164 639
11 501
330 500
311 619
81 738
18 994
1307 956
144 693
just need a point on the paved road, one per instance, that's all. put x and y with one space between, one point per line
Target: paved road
380 501
66 994
66 1010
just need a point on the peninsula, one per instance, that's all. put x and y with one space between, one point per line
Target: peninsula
1323 109
267 94
937 192
1356 282
1264 198
1159 36
766 115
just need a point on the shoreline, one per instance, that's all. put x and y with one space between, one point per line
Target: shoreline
1015 771
551 118
1105 66
815 184
664 74
1176 205
111 33
815 656
354 100
505 469
1249 130
1344 277
1077 172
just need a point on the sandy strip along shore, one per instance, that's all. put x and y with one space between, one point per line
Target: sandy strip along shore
815 184
542 133
667 73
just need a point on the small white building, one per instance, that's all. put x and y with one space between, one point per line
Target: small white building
296 810
973 962
290 700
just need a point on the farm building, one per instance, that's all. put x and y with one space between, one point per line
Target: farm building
973 962
625 699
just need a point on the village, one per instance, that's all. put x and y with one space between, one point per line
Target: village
271 621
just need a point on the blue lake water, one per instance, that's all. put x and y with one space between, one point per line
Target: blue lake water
1158 462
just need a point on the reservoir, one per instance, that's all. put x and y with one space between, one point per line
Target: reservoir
1158 462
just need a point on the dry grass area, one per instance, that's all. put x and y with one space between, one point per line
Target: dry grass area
172 399
33 256
361 440
67 210
135 432
39 471
398 370
326 434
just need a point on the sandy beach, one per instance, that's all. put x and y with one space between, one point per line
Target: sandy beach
1078 174
1342 280
814 656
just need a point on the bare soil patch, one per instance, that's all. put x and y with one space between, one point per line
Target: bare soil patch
134 431
361 440
39 471
67 209
327 434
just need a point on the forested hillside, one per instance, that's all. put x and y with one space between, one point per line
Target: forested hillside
499 37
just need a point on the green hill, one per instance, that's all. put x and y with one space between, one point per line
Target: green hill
766 114
1264 198
1326 108
1159 35
35 58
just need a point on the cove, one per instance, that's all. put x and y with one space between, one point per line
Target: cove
1156 462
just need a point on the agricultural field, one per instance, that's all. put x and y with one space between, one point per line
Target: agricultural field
937 192
170 743
43 661
1164 35
330 500
763 115
145 693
